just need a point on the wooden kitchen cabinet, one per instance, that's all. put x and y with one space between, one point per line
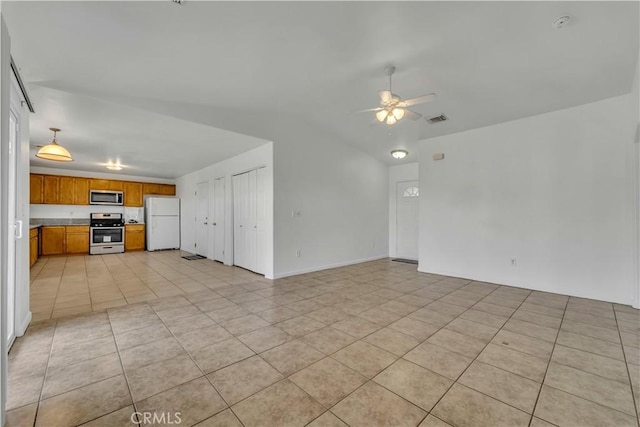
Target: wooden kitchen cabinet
99 184
33 246
77 239
133 194
35 188
81 191
134 237
53 240
51 189
150 188
70 239
167 190
67 190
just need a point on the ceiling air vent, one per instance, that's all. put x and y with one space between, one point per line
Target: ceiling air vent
437 119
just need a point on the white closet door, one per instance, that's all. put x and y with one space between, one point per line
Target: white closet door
240 211
250 232
261 220
218 219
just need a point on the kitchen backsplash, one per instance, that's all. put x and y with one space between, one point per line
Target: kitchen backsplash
77 211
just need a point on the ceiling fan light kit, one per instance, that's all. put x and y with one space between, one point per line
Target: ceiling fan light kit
54 151
393 108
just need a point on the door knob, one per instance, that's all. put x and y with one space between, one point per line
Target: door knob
214 223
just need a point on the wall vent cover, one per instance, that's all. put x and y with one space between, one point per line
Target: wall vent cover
438 119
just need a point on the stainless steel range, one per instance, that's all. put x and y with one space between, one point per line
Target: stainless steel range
107 233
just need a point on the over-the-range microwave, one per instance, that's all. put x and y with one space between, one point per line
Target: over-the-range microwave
106 197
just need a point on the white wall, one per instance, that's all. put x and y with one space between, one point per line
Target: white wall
398 173
553 191
83 211
342 195
186 187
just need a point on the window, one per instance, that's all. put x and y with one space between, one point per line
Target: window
411 192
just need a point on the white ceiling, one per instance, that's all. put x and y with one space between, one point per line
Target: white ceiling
150 82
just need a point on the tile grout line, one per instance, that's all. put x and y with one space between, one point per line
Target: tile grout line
553 349
624 355
44 378
476 357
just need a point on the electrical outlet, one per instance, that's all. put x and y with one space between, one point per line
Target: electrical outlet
514 262
298 253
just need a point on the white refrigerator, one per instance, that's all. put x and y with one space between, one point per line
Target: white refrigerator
162 218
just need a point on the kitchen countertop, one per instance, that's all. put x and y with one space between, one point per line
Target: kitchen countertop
40 222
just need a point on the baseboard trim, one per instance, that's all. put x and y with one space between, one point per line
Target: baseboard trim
328 266
22 327
529 286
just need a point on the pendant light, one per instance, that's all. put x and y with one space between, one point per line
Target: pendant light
54 151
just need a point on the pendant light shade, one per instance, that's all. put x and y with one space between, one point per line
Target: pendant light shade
54 151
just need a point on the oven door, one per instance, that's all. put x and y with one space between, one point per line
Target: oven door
107 236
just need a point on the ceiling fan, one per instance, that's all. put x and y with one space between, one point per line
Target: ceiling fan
393 108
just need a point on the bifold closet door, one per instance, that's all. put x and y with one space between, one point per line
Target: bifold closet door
249 220
240 219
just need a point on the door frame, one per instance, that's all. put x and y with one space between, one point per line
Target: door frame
396 209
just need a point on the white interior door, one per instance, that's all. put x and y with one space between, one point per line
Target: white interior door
14 231
407 197
218 219
240 219
202 219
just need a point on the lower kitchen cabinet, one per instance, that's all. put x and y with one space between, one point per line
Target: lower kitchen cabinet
33 246
60 240
77 239
134 237
53 240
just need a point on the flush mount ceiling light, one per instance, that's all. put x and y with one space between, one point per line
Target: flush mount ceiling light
114 166
399 154
54 151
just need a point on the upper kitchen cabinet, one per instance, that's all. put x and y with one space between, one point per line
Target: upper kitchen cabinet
133 194
81 191
167 190
67 191
150 188
107 184
70 190
51 189
35 188
159 189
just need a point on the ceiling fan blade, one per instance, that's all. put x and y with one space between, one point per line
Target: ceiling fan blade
411 114
369 109
385 96
418 100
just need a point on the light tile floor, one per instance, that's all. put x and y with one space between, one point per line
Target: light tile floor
371 344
